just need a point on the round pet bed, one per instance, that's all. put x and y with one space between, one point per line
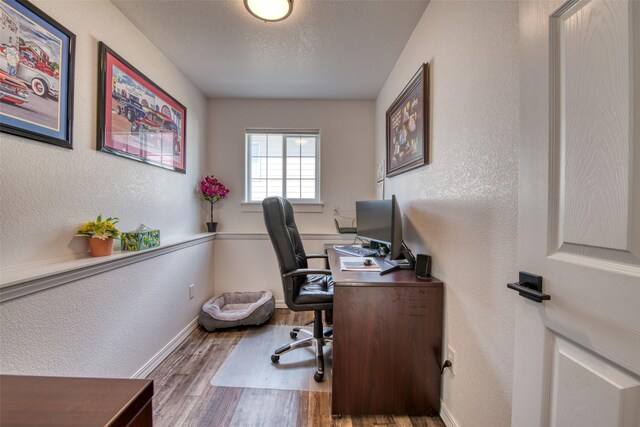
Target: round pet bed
237 309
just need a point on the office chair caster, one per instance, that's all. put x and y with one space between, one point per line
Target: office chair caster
319 377
293 335
275 358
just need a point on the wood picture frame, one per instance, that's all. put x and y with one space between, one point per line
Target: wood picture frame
36 74
136 118
408 126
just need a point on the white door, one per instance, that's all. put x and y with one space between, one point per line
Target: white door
577 356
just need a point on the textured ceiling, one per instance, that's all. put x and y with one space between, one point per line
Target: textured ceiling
326 49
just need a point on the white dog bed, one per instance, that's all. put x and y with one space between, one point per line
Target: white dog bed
237 309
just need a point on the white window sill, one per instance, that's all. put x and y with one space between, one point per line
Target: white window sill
297 207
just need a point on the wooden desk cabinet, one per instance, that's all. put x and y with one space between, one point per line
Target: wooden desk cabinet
62 401
387 343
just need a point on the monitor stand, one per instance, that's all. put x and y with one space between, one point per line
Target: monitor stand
406 262
403 264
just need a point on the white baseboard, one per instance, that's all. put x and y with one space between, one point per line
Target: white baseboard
166 350
446 417
280 303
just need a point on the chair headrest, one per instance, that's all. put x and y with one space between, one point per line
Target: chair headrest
283 232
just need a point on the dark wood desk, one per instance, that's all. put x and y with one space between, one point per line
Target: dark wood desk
62 401
387 342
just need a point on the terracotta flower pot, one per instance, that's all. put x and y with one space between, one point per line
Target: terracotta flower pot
100 247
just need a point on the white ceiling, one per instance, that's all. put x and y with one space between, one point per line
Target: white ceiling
326 49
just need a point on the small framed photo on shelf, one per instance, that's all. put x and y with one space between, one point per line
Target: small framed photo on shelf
407 126
136 118
36 74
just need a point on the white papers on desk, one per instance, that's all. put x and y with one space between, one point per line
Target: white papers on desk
356 263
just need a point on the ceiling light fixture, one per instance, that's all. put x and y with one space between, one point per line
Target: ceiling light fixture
269 10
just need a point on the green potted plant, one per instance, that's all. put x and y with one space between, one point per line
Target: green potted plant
101 234
212 191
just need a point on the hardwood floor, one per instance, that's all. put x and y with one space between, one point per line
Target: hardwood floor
184 396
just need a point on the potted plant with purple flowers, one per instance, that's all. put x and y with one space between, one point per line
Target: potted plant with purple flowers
212 191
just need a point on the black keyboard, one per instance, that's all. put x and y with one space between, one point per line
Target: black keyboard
355 250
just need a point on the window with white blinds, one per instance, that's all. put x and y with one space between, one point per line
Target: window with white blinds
283 163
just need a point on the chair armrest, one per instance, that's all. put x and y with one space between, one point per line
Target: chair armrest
301 271
325 256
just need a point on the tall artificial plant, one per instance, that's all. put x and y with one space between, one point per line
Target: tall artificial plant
213 191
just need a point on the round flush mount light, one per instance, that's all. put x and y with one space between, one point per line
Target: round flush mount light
269 10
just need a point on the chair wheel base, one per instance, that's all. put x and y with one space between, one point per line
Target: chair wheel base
319 377
275 358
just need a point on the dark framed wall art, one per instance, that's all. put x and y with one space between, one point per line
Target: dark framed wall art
136 118
407 126
36 74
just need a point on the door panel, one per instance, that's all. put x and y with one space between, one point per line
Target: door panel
592 111
593 81
590 391
577 356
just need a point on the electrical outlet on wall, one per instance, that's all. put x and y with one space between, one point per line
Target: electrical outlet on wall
191 291
451 356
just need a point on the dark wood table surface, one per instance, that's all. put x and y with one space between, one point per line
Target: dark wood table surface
63 401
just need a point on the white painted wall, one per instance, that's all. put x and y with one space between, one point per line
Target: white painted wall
347 175
47 191
111 324
462 208
347 154
108 325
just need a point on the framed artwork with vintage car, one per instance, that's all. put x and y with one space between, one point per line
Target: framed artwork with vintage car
36 74
136 118
407 126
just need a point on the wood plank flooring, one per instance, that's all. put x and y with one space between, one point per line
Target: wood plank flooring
184 396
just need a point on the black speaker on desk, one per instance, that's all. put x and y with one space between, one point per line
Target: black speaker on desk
423 266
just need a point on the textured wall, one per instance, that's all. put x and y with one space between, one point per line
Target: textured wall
462 208
108 325
113 323
347 175
47 191
347 153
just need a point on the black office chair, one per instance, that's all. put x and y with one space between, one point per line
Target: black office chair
305 289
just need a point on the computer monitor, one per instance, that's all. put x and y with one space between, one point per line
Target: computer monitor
374 219
381 221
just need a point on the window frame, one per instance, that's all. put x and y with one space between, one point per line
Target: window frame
286 133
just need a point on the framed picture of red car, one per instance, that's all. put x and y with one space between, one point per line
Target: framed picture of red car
407 126
36 74
136 118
